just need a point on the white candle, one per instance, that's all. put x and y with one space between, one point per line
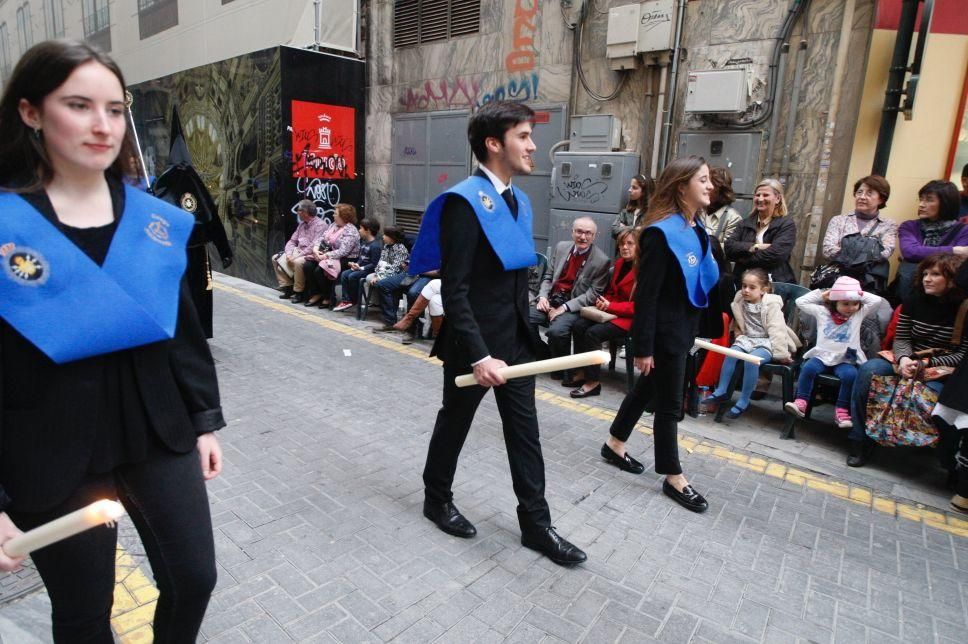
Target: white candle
543 366
733 353
98 513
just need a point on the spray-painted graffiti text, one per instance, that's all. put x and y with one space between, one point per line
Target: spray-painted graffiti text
523 56
581 189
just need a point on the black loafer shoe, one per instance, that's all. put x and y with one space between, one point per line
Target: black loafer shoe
860 452
582 393
449 519
625 463
554 547
297 298
688 498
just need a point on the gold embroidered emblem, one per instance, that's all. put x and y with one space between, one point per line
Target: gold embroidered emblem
25 266
189 202
157 230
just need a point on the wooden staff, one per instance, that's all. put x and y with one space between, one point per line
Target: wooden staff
732 353
542 366
98 513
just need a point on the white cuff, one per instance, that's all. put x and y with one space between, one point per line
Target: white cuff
487 357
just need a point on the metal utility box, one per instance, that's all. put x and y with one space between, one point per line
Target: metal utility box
739 152
717 91
599 132
592 184
621 37
655 26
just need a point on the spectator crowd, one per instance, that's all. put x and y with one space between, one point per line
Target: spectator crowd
887 354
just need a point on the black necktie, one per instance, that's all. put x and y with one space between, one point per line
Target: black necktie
509 199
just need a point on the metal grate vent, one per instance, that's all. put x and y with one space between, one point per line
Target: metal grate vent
409 220
422 21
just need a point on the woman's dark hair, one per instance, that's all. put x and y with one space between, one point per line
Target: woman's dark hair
948 198
878 184
761 276
494 120
395 233
666 199
371 224
40 71
346 212
947 264
964 171
647 185
722 180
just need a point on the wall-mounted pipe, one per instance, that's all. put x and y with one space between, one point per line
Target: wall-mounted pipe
794 105
775 122
660 113
672 86
895 85
317 23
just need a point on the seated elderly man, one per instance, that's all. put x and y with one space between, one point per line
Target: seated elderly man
579 276
289 265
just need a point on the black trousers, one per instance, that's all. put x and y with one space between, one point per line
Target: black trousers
168 505
662 388
589 336
519 420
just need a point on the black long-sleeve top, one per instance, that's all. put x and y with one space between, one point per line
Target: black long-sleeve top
60 421
665 320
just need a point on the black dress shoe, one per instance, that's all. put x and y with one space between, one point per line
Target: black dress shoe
449 519
286 293
860 452
688 498
581 393
554 547
625 463
298 298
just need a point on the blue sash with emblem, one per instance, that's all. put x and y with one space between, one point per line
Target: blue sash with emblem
510 239
700 271
71 308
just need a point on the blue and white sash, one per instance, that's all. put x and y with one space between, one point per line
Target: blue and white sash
510 239
71 308
700 271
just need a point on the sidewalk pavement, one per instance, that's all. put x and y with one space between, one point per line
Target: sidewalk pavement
320 536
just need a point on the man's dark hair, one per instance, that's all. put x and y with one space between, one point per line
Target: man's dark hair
371 224
964 171
948 197
494 120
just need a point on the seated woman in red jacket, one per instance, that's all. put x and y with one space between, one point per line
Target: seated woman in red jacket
617 300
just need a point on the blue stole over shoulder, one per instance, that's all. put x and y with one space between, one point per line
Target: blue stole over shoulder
510 239
71 308
700 271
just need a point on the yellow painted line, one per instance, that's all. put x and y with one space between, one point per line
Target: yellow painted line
858 494
134 601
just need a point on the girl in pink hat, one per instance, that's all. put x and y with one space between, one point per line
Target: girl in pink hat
839 313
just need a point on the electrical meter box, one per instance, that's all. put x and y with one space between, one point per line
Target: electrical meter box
655 26
622 36
717 91
587 184
599 132
738 152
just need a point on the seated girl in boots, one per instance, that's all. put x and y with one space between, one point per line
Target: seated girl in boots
839 313
760 331
429 298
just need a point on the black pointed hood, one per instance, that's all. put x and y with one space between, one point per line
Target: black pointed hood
178 153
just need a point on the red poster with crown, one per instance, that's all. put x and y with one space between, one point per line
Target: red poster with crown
322 141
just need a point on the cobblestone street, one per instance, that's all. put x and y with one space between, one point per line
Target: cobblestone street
320 536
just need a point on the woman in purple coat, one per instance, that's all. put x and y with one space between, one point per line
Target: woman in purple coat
936 230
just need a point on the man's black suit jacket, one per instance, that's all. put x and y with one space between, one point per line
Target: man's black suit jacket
485 307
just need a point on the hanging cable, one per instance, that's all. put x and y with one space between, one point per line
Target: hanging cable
576 61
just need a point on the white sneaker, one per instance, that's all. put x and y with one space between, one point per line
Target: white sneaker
342 306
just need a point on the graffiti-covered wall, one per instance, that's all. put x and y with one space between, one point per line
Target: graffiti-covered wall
241 128
323 109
